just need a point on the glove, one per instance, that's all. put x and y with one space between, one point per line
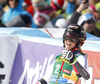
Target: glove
69 56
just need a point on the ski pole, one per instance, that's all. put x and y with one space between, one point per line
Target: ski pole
60 71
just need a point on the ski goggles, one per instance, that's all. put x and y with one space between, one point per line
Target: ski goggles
72 39
90 21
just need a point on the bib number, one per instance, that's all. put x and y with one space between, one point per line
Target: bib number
57 69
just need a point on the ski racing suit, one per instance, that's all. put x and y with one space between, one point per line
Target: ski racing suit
68 74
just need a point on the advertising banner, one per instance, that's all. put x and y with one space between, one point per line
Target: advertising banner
33 59
31 62
94 67
8 48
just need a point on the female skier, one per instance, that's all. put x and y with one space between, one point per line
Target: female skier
71 64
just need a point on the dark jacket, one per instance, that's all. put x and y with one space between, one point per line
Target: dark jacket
16 22
74 18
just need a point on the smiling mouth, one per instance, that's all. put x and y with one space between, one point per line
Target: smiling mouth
68 44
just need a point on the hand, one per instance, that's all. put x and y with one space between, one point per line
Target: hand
69 56
82 6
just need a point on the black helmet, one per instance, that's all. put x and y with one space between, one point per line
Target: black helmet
77 32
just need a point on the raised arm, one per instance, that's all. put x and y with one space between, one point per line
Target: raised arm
77 13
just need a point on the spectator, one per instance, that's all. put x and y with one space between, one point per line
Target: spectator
21 20
77 13
96 12
27 5
15 8
57 5
87 21
43 12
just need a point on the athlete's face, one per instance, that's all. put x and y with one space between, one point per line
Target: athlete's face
69 44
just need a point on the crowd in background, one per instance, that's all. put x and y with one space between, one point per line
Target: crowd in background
51 14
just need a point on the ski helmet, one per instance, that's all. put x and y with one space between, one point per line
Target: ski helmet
85 17
76 32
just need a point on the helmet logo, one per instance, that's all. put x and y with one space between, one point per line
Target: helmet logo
72 26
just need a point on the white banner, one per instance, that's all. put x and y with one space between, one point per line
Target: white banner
8 48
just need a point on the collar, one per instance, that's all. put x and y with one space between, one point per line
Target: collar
76 51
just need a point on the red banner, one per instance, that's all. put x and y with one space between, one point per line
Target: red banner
94 68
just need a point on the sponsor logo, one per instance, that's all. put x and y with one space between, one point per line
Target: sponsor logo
60 80
66 71
60 60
